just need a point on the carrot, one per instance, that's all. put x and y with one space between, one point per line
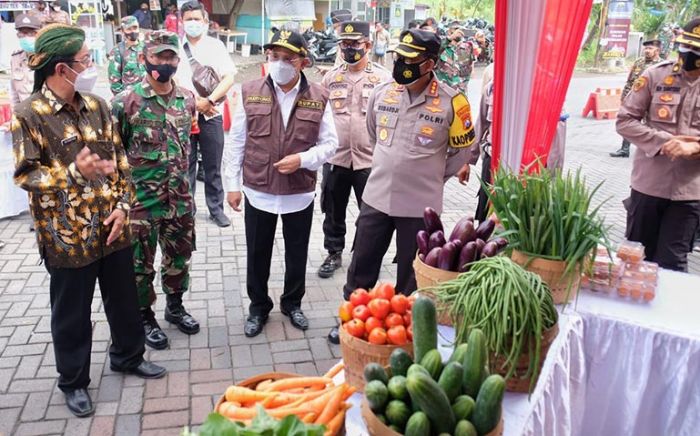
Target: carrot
331 407
238 413
295 403
263 384
335 370
296 382
285 398
318 404
244 395
308 418
223 407
334 424
295 391
348 392
267 401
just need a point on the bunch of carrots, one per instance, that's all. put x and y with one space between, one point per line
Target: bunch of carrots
314 400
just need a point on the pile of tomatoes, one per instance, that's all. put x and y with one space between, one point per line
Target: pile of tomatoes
380 316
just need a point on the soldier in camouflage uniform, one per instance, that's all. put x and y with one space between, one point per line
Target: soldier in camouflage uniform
456 60
651 57
124 67
155 119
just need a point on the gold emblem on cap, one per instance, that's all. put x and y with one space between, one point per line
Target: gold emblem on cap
407 38
285 34
349 28
696 30
408 74
383 134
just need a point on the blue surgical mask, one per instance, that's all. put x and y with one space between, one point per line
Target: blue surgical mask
194 28
26 43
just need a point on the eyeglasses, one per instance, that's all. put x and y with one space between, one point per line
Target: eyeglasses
351 44
86 61
272 57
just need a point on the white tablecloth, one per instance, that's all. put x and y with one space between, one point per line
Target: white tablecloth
616 368
13 200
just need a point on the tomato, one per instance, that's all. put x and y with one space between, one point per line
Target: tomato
359 297
397 335
361 312
409 333
345 311
393 319
372 294
399 304
385 290
379 307
355 327
407 318
373 323
377 336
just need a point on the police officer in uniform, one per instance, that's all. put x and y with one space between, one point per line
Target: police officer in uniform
421 129
58 15
349 86
661 118
651 57
124 68
155 119
22 78
337 17
282 132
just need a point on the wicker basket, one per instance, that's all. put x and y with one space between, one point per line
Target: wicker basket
517 382
357 353
377 428
552 273
428 276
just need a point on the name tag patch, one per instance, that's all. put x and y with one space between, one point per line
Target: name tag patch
263 99
310 104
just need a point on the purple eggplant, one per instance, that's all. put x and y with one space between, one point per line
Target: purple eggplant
464 231
485 229
436 239
458 249
479 246
421 256
501 242
447 256
432 258
422 241
458 228
489 250
432 220
466 255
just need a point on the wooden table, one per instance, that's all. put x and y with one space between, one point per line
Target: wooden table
230 38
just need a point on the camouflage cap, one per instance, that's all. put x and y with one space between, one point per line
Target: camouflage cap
129 21
160 41
26 21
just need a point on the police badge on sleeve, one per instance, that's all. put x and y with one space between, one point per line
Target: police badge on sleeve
461 129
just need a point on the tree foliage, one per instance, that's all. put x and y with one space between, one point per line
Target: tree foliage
462 9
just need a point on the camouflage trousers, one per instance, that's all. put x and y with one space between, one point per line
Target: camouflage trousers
177 241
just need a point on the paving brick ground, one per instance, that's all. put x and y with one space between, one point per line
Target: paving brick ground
202 366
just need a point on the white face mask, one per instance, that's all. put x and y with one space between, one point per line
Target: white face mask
86 79
282 72
194 28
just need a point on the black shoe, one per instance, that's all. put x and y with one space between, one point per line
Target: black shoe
334 336
155 337
622 152
254 325
31 227
298 319
79 403
175 313
145 370
220 220
332 263
200 172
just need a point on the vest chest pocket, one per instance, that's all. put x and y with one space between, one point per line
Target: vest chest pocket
259 119
366 92
307 126
339 100
664 108
427 138
256 167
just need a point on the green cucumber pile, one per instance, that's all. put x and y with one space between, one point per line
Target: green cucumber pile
430 397
512 307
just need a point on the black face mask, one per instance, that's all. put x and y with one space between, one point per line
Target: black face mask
691 61
405 74
132 36
163 72
353 55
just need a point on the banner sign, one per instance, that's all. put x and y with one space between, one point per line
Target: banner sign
618 27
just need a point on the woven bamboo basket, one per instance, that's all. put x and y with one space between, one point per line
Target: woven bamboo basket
357 353
377 428
552 273
518 382
428 276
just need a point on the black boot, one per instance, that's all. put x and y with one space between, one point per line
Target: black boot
175 313
155 337
624 151
200 171
332 263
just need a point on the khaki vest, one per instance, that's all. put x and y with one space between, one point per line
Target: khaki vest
268 141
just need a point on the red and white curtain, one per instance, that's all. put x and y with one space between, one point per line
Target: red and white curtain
537 44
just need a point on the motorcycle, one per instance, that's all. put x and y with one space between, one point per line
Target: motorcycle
323 46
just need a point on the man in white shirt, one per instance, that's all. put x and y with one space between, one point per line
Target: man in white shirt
282 132
208 52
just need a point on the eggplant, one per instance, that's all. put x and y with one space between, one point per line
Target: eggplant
485 229
432 258
422 241
466 255
421 256
447 256
458 228
501 242
479 246
436 239
464 231
458 249
489 250
432 221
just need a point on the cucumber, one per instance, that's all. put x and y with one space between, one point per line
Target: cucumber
424 321
465 428
377 395
397 413
418 425
375 371
451 380
458 353
487 411
474 363
399 361
416 368
429 396
463 407
432 361
397 388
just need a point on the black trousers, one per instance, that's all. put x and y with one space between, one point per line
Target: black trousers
666 228
372 239
482 207
210 142
71 292
260 227
335 195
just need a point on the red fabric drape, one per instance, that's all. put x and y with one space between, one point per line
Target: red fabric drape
498 79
